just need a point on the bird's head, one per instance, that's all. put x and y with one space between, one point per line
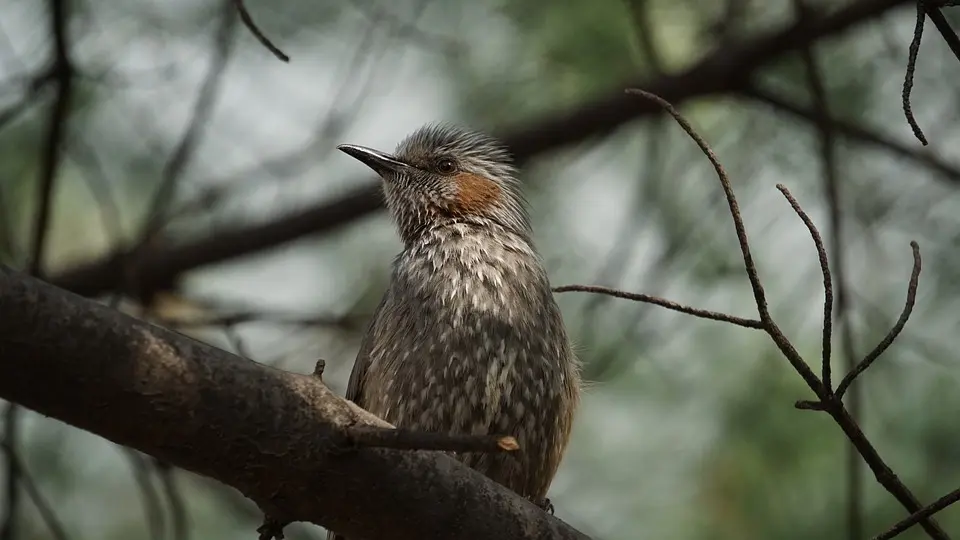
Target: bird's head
443 174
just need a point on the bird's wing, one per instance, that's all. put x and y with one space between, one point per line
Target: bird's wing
360 365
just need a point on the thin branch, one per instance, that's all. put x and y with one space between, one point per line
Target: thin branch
47 514
99 185
856 132
63 75
751 268
408 30
654 155
152 506
828 161
662 302
894 332
178 510
828 402
770 326
643 30
200 118
911 68
8 248
919 515
943 26
405 439
30 97
827 283
255 30
11 507
723 71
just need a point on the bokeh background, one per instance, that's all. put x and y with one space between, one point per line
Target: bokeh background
182 127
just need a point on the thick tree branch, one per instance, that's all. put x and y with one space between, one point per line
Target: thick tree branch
277 437
726 70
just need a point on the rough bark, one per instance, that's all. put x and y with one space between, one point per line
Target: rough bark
275 436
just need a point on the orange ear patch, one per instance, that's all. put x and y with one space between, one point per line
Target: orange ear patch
475 193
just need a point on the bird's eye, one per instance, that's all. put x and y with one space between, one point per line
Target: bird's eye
446 166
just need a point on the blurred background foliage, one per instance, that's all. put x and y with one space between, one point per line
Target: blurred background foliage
688 429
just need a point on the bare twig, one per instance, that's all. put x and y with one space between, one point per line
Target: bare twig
408 30
255 30
828 154
669 304
202 110
11 507
99 185
933 11
655 153
827 283
828 402
770 326
57 531
62 73
8 248
894 332
30 97
915 517
911 68
178 511
405 439
856 132
728 191
643 30
152 506
722 71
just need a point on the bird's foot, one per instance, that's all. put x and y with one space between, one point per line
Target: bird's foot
271 528
544 504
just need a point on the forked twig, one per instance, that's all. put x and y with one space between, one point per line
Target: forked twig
781 341
827 400
894 332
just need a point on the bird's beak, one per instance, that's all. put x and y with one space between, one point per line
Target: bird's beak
380 162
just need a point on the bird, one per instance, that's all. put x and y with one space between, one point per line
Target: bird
467 338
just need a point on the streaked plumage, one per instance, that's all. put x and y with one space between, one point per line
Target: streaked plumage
467 337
